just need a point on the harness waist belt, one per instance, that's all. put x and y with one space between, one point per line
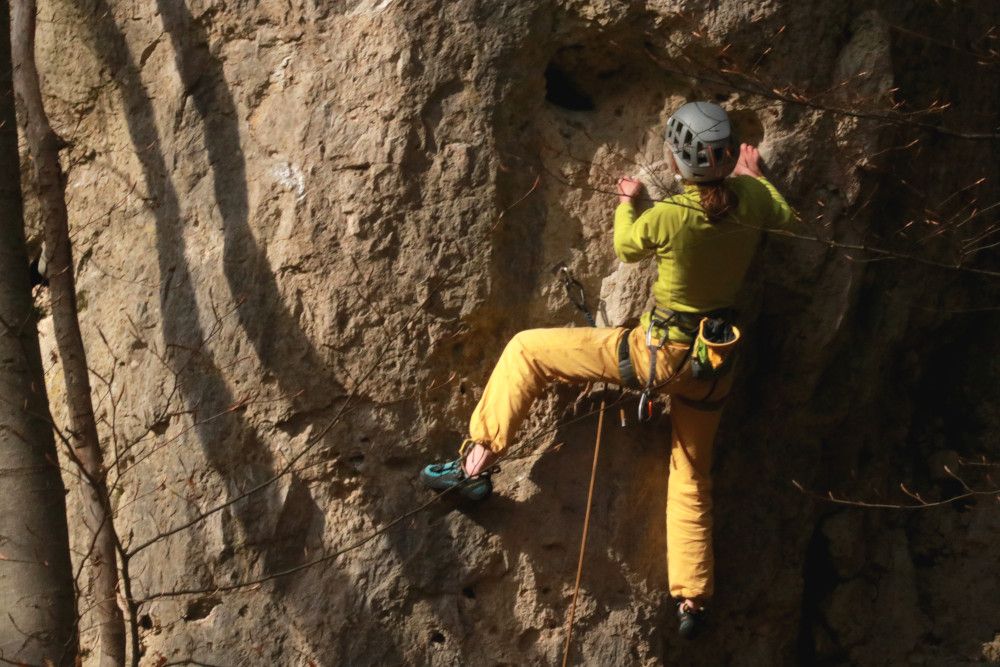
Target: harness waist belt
688 322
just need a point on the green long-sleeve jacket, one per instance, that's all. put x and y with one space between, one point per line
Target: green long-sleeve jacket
701 265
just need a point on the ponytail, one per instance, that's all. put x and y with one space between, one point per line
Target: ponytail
717 200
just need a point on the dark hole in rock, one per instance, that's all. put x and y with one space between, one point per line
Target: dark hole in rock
160 427
145 622
469 593
201 608
399 462
562 91
820 576
437 638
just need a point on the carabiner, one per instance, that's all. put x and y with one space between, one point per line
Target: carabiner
575 292
645 407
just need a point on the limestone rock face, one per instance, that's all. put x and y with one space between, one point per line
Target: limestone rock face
304 230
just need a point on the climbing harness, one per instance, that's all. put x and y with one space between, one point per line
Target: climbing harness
711 353
574 291
662 319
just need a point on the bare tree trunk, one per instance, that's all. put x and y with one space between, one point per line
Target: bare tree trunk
37 602
44 145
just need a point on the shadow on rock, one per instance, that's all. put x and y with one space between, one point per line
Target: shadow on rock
510 562
231 444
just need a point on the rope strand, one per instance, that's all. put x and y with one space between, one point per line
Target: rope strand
583 539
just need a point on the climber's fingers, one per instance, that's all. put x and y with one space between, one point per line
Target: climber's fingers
749 161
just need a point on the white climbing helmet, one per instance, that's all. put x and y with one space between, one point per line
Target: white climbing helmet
701 139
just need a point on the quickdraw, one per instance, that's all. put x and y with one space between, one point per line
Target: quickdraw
574 292
646 398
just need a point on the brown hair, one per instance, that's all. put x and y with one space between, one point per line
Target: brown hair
717 200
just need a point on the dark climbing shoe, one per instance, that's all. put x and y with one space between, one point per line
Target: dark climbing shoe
444 476
690 622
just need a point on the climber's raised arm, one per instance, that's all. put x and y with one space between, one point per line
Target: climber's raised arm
774 210
636 237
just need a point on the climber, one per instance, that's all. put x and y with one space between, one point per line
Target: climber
703 240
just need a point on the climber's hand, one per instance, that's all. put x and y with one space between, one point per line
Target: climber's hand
628 188
749 162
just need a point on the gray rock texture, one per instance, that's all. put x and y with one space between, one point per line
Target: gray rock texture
306 228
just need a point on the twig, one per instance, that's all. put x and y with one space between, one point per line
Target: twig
920 505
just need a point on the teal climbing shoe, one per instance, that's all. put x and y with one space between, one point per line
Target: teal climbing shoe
444 476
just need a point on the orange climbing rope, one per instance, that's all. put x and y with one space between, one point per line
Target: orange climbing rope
583 540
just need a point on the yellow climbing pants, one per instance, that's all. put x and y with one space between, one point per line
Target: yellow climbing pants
538 357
